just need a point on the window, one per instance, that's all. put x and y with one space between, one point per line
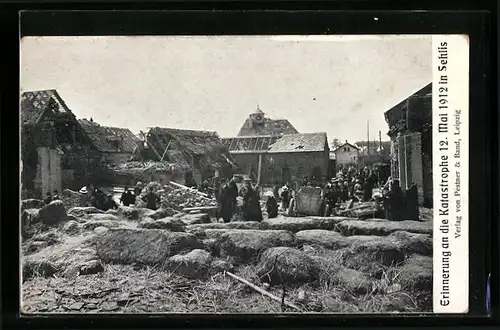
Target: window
345 149
348 149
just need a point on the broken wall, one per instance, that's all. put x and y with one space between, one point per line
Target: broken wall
49 174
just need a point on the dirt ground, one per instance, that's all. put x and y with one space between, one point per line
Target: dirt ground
341 286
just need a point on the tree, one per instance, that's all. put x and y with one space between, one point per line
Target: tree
336 143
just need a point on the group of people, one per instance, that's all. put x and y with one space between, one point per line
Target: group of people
226 193
350 183
98 199
104 201
151 198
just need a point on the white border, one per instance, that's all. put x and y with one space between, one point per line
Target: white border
450 130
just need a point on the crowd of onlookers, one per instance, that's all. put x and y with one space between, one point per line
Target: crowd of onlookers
349 183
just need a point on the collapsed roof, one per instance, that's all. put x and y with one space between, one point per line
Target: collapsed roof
189 148
36 104
289 143
109 139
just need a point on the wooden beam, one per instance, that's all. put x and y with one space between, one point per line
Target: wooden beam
254 143
153 148
165 152
231 144
264 292
158 140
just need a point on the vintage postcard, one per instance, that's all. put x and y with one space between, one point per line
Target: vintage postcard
244 174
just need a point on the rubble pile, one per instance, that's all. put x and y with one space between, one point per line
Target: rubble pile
178 198
149 166
72 198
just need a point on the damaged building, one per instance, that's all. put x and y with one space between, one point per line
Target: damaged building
276 159
410 130
116 145
198 154
257 124
273 151
55 151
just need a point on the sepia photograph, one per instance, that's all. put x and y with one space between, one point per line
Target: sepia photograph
231 174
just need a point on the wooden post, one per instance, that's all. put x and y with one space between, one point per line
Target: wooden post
259 170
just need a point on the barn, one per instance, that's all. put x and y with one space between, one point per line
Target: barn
277 159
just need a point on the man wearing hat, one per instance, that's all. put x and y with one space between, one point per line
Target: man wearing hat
285 198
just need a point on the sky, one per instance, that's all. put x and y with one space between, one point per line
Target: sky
332 84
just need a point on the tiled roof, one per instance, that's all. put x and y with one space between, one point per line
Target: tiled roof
249 143
346 144
269 127
307 142
101 137
34 104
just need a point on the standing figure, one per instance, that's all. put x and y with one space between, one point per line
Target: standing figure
272 207
151 199
285 198
345 191
251 205
368 186
127 198
329 199
394 202
225 209
233 195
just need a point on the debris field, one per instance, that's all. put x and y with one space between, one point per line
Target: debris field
129 260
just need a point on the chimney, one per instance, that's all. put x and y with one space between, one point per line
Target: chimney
346 141
91 120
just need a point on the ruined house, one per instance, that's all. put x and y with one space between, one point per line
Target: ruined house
199 154
276 159
257 124
410 130
116 145
55 152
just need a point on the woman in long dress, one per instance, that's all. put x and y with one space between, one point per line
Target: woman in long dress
251 205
